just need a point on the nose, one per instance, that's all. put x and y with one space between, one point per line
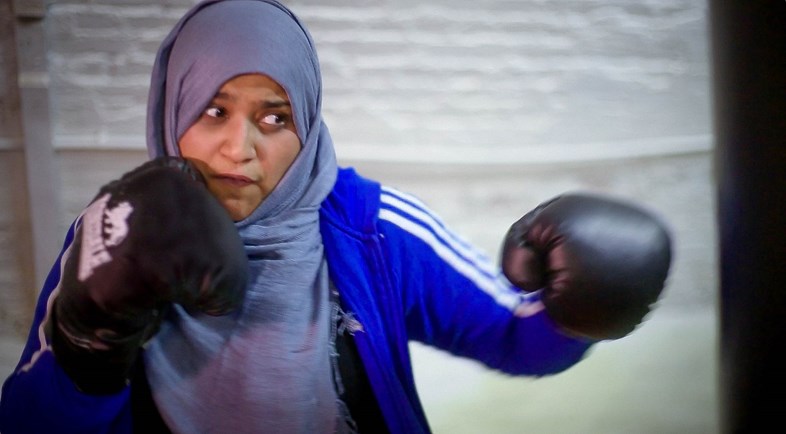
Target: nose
240 142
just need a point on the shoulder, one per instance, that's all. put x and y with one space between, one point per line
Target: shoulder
358 205
354 201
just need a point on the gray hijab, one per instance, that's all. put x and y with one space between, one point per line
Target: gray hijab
266 367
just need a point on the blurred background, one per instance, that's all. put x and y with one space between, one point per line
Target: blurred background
481 108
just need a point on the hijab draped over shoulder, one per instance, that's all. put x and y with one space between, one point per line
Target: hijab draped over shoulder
266 367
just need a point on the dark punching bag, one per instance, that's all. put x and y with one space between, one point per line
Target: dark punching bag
748 39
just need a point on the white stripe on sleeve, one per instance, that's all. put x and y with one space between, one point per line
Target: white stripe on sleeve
501 295
453 241
41 332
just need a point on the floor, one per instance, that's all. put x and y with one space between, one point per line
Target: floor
661 379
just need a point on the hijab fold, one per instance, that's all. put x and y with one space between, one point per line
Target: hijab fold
265 367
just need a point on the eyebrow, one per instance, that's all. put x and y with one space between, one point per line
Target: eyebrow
267 103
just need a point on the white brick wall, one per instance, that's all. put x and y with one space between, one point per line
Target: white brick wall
507 77
405 81
451 81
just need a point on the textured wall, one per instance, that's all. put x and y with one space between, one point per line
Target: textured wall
496 81
511 77
17 292
9 94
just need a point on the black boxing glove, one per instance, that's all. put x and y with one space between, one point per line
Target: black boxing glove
601 263
154 237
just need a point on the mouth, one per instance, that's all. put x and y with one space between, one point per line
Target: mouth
234 180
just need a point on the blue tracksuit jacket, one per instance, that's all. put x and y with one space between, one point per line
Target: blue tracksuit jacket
403 274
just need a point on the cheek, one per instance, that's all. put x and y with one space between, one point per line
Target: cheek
292 154
189 146
289 149
197 143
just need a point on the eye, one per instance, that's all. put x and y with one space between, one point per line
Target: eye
275 119
214 112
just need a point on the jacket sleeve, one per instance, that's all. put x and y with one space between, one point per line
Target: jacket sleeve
40 398
456 299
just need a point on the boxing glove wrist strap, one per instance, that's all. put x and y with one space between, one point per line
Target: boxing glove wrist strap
99 362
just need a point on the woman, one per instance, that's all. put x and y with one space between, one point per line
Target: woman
342 272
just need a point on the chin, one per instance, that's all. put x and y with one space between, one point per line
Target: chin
237 215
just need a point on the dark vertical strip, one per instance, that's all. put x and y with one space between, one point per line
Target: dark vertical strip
748 39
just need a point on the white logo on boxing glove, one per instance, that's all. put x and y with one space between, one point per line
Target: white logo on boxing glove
102 227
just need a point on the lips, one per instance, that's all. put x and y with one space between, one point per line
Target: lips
234 180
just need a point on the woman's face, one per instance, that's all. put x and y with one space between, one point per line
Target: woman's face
243 142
